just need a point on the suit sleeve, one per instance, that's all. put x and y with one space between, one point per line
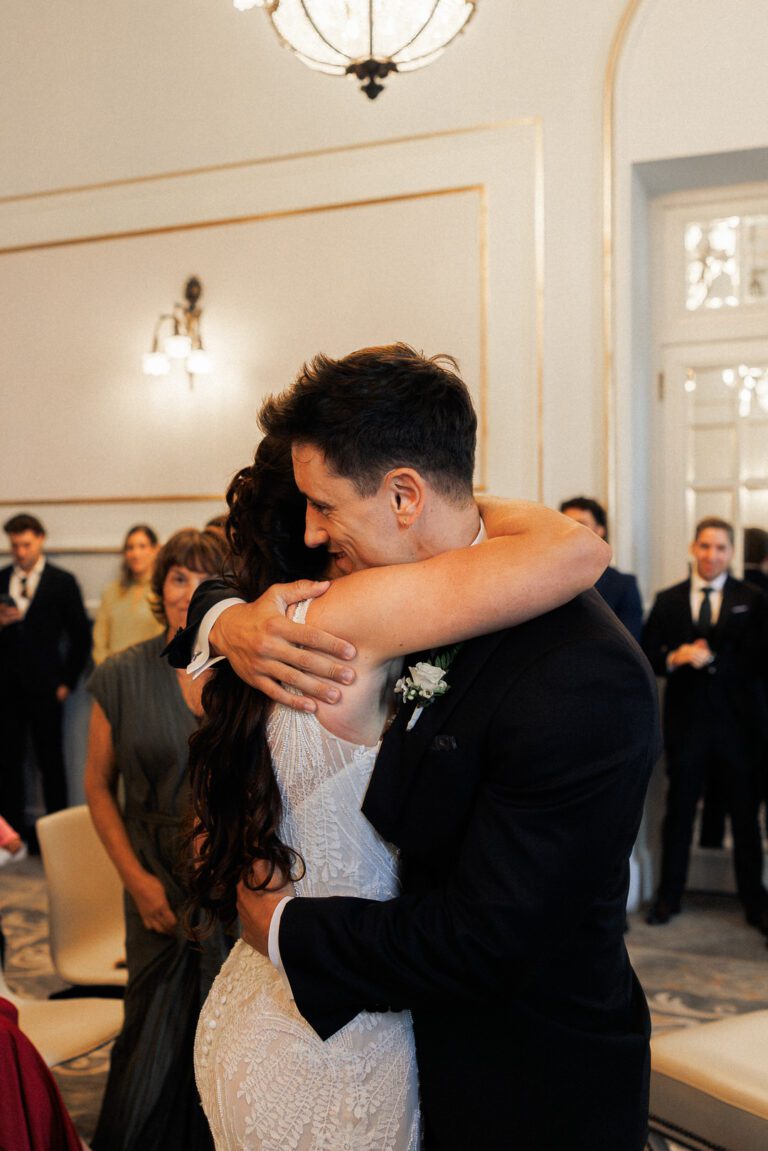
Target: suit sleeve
207 595
655 642
631 608
77 628
551 827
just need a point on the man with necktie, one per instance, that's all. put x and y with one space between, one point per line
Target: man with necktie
45 641
708 636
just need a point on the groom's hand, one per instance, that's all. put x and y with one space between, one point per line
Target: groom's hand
256 908
268 650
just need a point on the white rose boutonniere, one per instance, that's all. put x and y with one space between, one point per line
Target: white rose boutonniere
425 684
426 681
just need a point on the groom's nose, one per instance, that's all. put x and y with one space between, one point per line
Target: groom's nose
315 535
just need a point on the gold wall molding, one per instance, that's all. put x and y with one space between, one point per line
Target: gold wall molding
61 550
279 158
96 501
610 445
249 218
539 237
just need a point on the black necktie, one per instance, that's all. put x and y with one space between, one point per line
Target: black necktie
23 591
704 622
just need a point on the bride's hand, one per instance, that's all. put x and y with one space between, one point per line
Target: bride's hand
262 645
256 908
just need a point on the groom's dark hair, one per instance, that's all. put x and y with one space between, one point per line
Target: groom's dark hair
378 409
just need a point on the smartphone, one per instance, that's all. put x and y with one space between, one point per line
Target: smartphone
7 600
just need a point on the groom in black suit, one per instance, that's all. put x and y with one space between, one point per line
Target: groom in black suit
45 641
514 802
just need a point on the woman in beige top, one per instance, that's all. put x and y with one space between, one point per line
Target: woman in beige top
124 616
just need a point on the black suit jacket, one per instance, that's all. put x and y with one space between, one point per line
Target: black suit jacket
621 593
726 693
51 645
756 578
515 802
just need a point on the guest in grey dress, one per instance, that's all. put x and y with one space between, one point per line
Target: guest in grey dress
143 715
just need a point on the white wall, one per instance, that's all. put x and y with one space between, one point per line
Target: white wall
690 93
97 93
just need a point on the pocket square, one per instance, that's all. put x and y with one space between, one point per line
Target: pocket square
443 743
739 607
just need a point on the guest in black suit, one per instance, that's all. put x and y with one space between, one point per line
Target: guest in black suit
756 558
514 802
618 589
708 637
45 641
714 813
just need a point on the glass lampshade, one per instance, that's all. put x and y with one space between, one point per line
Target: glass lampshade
199 363
155 364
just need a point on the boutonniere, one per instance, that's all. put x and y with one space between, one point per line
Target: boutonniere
427 681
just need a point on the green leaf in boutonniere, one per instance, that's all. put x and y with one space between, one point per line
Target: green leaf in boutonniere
444 657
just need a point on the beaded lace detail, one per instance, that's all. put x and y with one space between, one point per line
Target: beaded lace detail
266 1079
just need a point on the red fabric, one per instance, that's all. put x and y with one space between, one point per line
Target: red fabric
32 1113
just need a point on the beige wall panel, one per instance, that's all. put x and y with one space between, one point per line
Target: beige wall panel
433 241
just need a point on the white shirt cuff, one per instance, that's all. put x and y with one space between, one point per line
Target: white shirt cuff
201 654
273 943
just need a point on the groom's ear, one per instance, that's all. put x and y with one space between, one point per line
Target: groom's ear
406 489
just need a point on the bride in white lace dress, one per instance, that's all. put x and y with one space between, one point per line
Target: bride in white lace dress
266 1079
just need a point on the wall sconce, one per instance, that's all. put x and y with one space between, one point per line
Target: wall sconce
182 340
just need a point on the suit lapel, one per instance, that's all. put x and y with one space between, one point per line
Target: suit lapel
730 597
683 606
41 591
402 750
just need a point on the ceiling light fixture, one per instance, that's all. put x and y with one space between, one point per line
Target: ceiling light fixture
366 38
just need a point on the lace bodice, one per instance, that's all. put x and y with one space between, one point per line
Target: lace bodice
266 1079
323 780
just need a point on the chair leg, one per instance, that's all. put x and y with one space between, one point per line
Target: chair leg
666 1137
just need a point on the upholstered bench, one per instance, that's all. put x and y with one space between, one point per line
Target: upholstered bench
709 1084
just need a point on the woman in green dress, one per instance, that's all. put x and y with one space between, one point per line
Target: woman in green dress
143 715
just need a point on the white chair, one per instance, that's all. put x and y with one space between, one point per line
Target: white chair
709 1084
66 1028
87 926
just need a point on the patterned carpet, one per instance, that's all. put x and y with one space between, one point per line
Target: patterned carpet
704 965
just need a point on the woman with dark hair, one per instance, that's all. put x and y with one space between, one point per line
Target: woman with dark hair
143 715
277 794
125 616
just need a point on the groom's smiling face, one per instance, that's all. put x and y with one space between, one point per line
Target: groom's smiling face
358 531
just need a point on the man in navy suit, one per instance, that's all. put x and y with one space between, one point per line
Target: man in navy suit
45 641
708 637
618 589
514 803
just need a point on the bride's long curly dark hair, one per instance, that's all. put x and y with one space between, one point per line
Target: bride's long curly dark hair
235 798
